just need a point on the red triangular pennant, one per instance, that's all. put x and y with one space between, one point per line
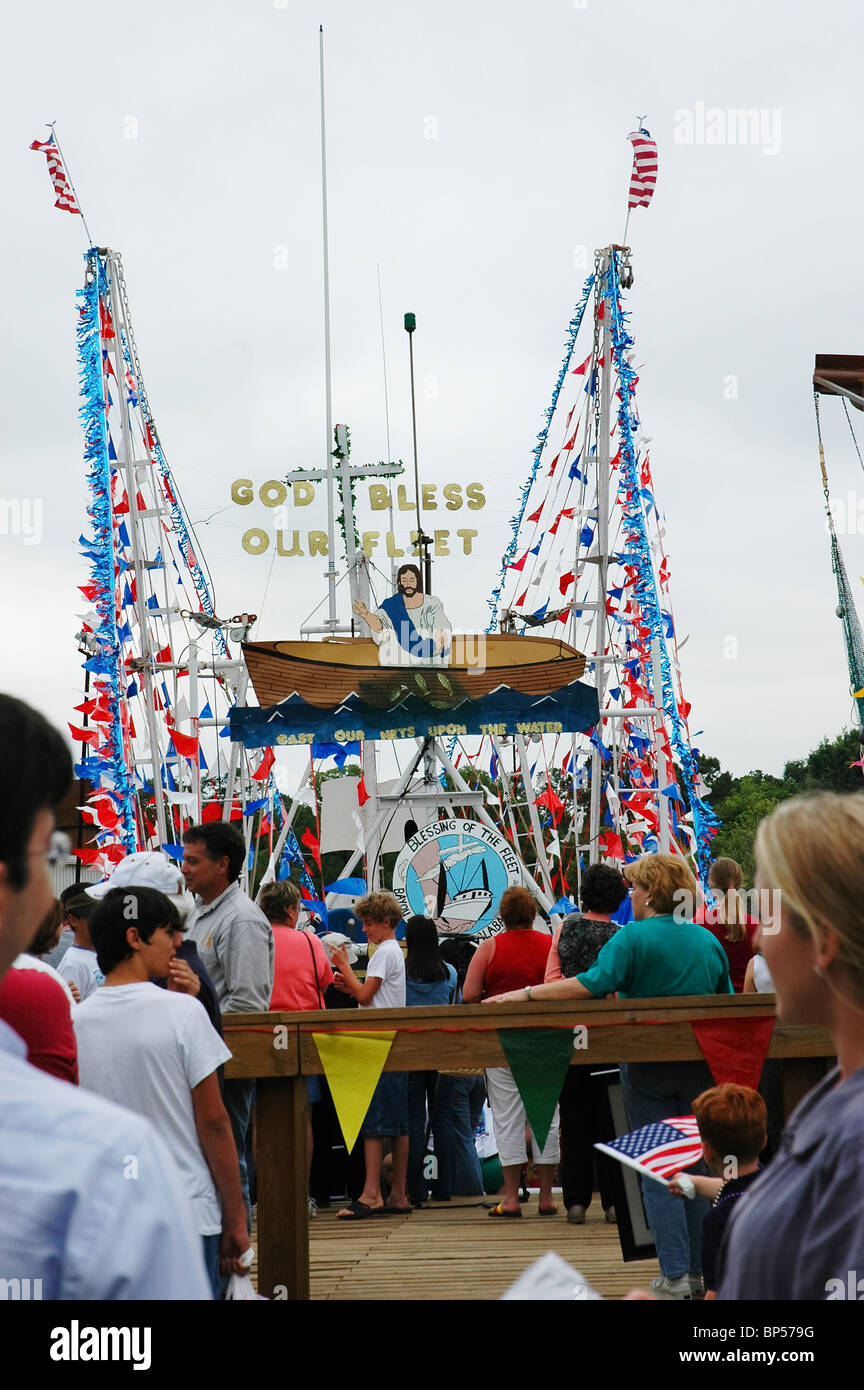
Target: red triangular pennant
735 1049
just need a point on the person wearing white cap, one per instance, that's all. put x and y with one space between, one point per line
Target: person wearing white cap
153 869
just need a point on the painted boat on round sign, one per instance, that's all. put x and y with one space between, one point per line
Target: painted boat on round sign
324 673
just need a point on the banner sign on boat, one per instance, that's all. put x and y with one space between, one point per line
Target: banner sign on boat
571 709
455 871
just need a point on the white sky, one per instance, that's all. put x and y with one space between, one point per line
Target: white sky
746 265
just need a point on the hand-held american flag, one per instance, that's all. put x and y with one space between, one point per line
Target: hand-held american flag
659 1149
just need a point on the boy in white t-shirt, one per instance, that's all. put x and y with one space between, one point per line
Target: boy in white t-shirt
79 966
387 1116
158 1053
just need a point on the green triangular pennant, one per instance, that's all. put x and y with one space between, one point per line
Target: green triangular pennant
538 1059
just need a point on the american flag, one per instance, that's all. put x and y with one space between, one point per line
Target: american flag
644 175
62 186
660 1149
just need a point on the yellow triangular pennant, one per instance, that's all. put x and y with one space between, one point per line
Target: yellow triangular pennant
352 1063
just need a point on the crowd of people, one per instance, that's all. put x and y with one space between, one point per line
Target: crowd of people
112 1055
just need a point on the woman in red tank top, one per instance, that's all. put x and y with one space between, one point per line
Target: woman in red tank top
514 959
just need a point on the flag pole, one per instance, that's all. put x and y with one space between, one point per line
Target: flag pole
51 127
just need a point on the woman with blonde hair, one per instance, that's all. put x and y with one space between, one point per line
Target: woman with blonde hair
726 917
799 1234
661 952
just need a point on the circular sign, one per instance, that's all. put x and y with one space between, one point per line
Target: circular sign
455 871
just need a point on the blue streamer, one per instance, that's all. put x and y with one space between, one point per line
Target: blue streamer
100 549
646 590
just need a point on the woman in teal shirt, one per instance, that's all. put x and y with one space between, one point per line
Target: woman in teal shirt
660 953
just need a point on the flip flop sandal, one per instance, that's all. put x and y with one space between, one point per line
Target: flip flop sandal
358 1211
548 1211
500 1210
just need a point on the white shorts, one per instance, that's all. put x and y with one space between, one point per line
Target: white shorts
508 1114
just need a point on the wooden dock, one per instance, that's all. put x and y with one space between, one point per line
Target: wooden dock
453 1251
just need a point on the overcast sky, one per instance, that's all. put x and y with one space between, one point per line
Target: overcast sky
477 152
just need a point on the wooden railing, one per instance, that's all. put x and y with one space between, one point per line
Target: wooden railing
278 1049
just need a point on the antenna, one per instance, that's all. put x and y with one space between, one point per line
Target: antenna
422 539
386 393
328 456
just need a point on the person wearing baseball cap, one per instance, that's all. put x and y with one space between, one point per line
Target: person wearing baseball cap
187 973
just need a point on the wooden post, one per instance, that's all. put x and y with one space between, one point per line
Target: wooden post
283 1212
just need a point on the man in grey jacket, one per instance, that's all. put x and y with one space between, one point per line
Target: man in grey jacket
235 942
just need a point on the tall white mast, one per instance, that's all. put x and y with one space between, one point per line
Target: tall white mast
331 620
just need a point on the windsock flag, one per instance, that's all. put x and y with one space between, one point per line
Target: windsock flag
644 175
65 197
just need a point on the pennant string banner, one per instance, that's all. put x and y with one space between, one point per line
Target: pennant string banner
352 1063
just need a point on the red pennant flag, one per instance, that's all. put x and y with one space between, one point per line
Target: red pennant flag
536 515
519 564
90 736
164 655
362 794
580 370
554 465
186 744
310 840
87 707
90 591
736 1049
521 599
262 771
612 844
565 581
601 311
572 440
87 856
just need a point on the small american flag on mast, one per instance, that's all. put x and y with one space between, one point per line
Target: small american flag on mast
659 1149
644 175
62 187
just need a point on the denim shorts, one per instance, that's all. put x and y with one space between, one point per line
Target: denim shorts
387 1116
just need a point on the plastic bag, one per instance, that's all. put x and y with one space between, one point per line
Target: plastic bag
240 1287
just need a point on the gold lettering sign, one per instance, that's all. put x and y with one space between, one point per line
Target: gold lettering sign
280 498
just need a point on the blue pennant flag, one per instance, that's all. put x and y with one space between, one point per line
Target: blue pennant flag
354 887
175 851
563 907
206 712
319 908
339 752
586 536
253 806
152 601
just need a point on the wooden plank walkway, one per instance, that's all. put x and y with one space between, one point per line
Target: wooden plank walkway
453 1251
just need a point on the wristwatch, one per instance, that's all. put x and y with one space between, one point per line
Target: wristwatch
528 992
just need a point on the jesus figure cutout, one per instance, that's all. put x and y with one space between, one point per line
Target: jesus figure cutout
410 628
